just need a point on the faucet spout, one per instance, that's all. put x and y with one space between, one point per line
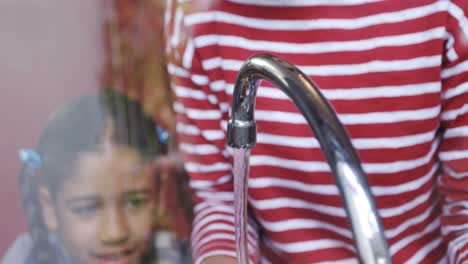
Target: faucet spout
345 165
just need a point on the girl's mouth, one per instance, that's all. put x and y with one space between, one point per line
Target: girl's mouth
124 256
113 261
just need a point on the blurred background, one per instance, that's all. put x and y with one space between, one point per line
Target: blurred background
54 50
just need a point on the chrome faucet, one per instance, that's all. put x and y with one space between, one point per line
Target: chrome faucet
350 178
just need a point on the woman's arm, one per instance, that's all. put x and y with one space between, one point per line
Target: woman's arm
202 143
453 151
220 260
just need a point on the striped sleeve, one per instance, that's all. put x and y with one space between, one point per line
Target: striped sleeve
202 142
454 147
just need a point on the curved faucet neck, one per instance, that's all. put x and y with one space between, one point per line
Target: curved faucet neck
334 141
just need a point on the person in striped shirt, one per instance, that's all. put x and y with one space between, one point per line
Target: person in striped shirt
396 73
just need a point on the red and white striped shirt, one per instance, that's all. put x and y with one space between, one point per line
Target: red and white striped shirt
396 72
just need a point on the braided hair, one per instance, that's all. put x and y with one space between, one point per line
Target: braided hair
79 126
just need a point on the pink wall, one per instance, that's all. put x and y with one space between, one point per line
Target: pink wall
49 51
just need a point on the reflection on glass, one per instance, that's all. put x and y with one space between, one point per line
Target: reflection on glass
90 187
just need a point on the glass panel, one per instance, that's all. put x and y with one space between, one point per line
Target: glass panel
90 169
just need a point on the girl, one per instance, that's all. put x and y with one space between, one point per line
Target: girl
89 188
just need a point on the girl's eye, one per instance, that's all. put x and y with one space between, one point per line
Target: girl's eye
84 210
137 202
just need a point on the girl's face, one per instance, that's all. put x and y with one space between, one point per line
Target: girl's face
103 213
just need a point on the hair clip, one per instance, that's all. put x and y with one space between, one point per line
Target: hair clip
30 157
163 135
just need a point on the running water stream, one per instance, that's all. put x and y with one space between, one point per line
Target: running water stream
241 174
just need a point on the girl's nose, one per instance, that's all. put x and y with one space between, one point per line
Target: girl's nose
114 227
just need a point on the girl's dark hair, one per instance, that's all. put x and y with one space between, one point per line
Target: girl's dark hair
82 125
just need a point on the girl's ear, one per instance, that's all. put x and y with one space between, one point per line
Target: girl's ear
48 209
